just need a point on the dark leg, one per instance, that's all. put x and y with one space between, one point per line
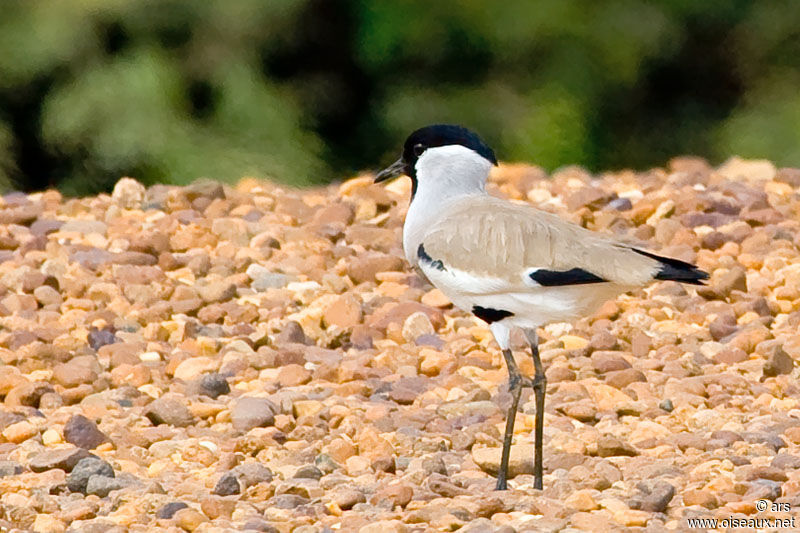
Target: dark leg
515 388
539 389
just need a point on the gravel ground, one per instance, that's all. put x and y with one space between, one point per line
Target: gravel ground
211 358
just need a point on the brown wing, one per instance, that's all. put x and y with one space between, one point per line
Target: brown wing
493 237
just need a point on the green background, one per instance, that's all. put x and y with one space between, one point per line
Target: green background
305 91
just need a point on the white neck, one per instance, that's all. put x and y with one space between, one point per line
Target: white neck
444 173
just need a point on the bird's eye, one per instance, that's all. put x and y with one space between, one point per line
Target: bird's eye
418 149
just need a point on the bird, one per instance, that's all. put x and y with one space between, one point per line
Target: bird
509 264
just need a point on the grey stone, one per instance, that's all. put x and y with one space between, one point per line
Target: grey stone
212 385
653 496
168 511
250 474
308 471
286 501
227 485
78 479
101 485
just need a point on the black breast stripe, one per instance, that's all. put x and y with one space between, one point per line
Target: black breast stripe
425 258
490 315
556 278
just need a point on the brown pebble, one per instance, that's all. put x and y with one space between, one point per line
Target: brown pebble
393 495
622 378
293 375
215 507
702 498
189 519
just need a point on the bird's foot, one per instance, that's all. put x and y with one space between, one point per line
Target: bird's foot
501 484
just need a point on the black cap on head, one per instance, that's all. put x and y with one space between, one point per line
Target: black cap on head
431 137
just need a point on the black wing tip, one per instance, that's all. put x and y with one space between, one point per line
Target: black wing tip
676 270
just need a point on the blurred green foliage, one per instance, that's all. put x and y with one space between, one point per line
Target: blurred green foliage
304 91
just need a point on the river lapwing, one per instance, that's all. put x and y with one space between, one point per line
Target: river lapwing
511 265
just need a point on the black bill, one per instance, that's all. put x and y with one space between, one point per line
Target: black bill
398 168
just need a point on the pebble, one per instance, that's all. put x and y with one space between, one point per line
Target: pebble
189 519
573 342
345 312
214 507
653 495
346 497
64 459
778 363
622 378
308 471
520 460
394 495
128 193
168 510
47 295
171 411
263 279
227 485
83 433
607 361
98 338
251 412
194 367
293 375
416 325
703 498
101 485
582 501
384 526
46 523
20 432
609 446
212 385
78 478
77 371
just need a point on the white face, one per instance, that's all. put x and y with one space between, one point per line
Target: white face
454 166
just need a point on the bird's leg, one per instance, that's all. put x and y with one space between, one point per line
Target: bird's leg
515 388
539 389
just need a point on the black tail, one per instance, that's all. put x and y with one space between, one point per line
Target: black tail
676 270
